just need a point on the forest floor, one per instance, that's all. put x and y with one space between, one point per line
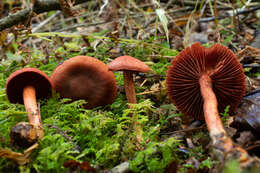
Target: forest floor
102 139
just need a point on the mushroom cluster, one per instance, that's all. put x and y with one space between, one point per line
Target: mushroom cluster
80 77
203 81
25 86
200 82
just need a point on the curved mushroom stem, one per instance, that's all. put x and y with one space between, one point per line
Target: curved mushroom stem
129 86
221 142
29 98
211 114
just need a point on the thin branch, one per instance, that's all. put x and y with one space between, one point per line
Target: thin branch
14 19
45 22
243 11
40 6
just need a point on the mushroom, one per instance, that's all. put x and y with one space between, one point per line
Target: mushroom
84 77
24 86
204 81
129 66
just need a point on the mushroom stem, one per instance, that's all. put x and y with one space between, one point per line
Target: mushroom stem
129 86
211 114
131 98
29 98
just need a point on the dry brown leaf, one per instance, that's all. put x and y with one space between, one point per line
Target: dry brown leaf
3 37
84 166
67 7
19 158
248 51
252 84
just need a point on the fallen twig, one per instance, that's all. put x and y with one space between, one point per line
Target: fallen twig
68 138
243 11
45 22
40 6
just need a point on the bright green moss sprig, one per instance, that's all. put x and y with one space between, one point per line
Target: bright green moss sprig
156 157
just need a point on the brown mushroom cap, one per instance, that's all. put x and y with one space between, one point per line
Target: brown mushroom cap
24 77
128 63
220 63
84 77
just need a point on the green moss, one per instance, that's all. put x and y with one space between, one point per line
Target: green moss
156 157
103 136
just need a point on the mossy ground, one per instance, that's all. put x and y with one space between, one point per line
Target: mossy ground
105 136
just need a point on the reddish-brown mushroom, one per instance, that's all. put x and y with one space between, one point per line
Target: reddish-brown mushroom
129 66
205 81
24 86
84 77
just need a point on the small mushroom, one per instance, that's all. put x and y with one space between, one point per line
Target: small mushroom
24 86
129 66
84 77
204 81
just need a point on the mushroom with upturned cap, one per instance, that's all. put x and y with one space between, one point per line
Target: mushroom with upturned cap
87 78
129 66
24 86
204 81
